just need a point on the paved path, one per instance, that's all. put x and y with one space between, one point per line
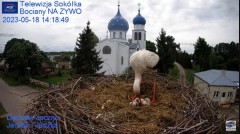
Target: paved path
182 73
14 99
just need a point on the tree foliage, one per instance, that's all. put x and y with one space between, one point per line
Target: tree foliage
10 43
167 51
46 59
21 54
202 52
1 56
222 56
227 56
87 60
69 53
184 59
150 46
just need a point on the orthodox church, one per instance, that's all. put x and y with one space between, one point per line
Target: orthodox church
116 50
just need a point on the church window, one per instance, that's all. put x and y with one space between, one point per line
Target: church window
135 36
122 60
106 50
139 35
114 34
120 35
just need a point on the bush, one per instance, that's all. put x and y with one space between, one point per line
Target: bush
23 79
127 73
60 73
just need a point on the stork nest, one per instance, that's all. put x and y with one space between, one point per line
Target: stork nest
99 105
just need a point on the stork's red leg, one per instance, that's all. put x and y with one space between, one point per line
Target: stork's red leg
134 97
154 90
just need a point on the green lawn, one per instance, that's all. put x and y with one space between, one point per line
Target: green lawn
174 72
10 81
58 79
189 75
13 82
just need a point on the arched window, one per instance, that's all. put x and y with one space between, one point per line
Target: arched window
135 36
120 35
114 34
106 50
139 36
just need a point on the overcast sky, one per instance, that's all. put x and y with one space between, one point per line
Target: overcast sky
215 20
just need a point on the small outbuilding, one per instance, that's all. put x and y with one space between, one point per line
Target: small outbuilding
64 64
218 85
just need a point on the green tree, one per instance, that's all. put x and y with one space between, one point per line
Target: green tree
21 54
229 53
69 53
167 51
150 46
233 64
222 49
10 43
46 59
202 52
87 60
1 56
184 59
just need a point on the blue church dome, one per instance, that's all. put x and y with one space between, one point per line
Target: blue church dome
139 19
118 23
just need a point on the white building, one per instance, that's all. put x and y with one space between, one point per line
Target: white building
116 50
218 85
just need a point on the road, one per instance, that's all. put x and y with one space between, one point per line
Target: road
14 99
181 72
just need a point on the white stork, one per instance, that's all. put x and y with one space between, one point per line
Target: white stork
143 61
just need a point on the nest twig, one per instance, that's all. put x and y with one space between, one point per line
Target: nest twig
80 109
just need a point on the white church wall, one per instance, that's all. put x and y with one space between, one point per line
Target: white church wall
123 57
139 27
120 40
109 65
131 51
118 35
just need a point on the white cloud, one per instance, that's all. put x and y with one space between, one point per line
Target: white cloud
215 20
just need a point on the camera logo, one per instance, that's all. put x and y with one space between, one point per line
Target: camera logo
231 125
9 7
